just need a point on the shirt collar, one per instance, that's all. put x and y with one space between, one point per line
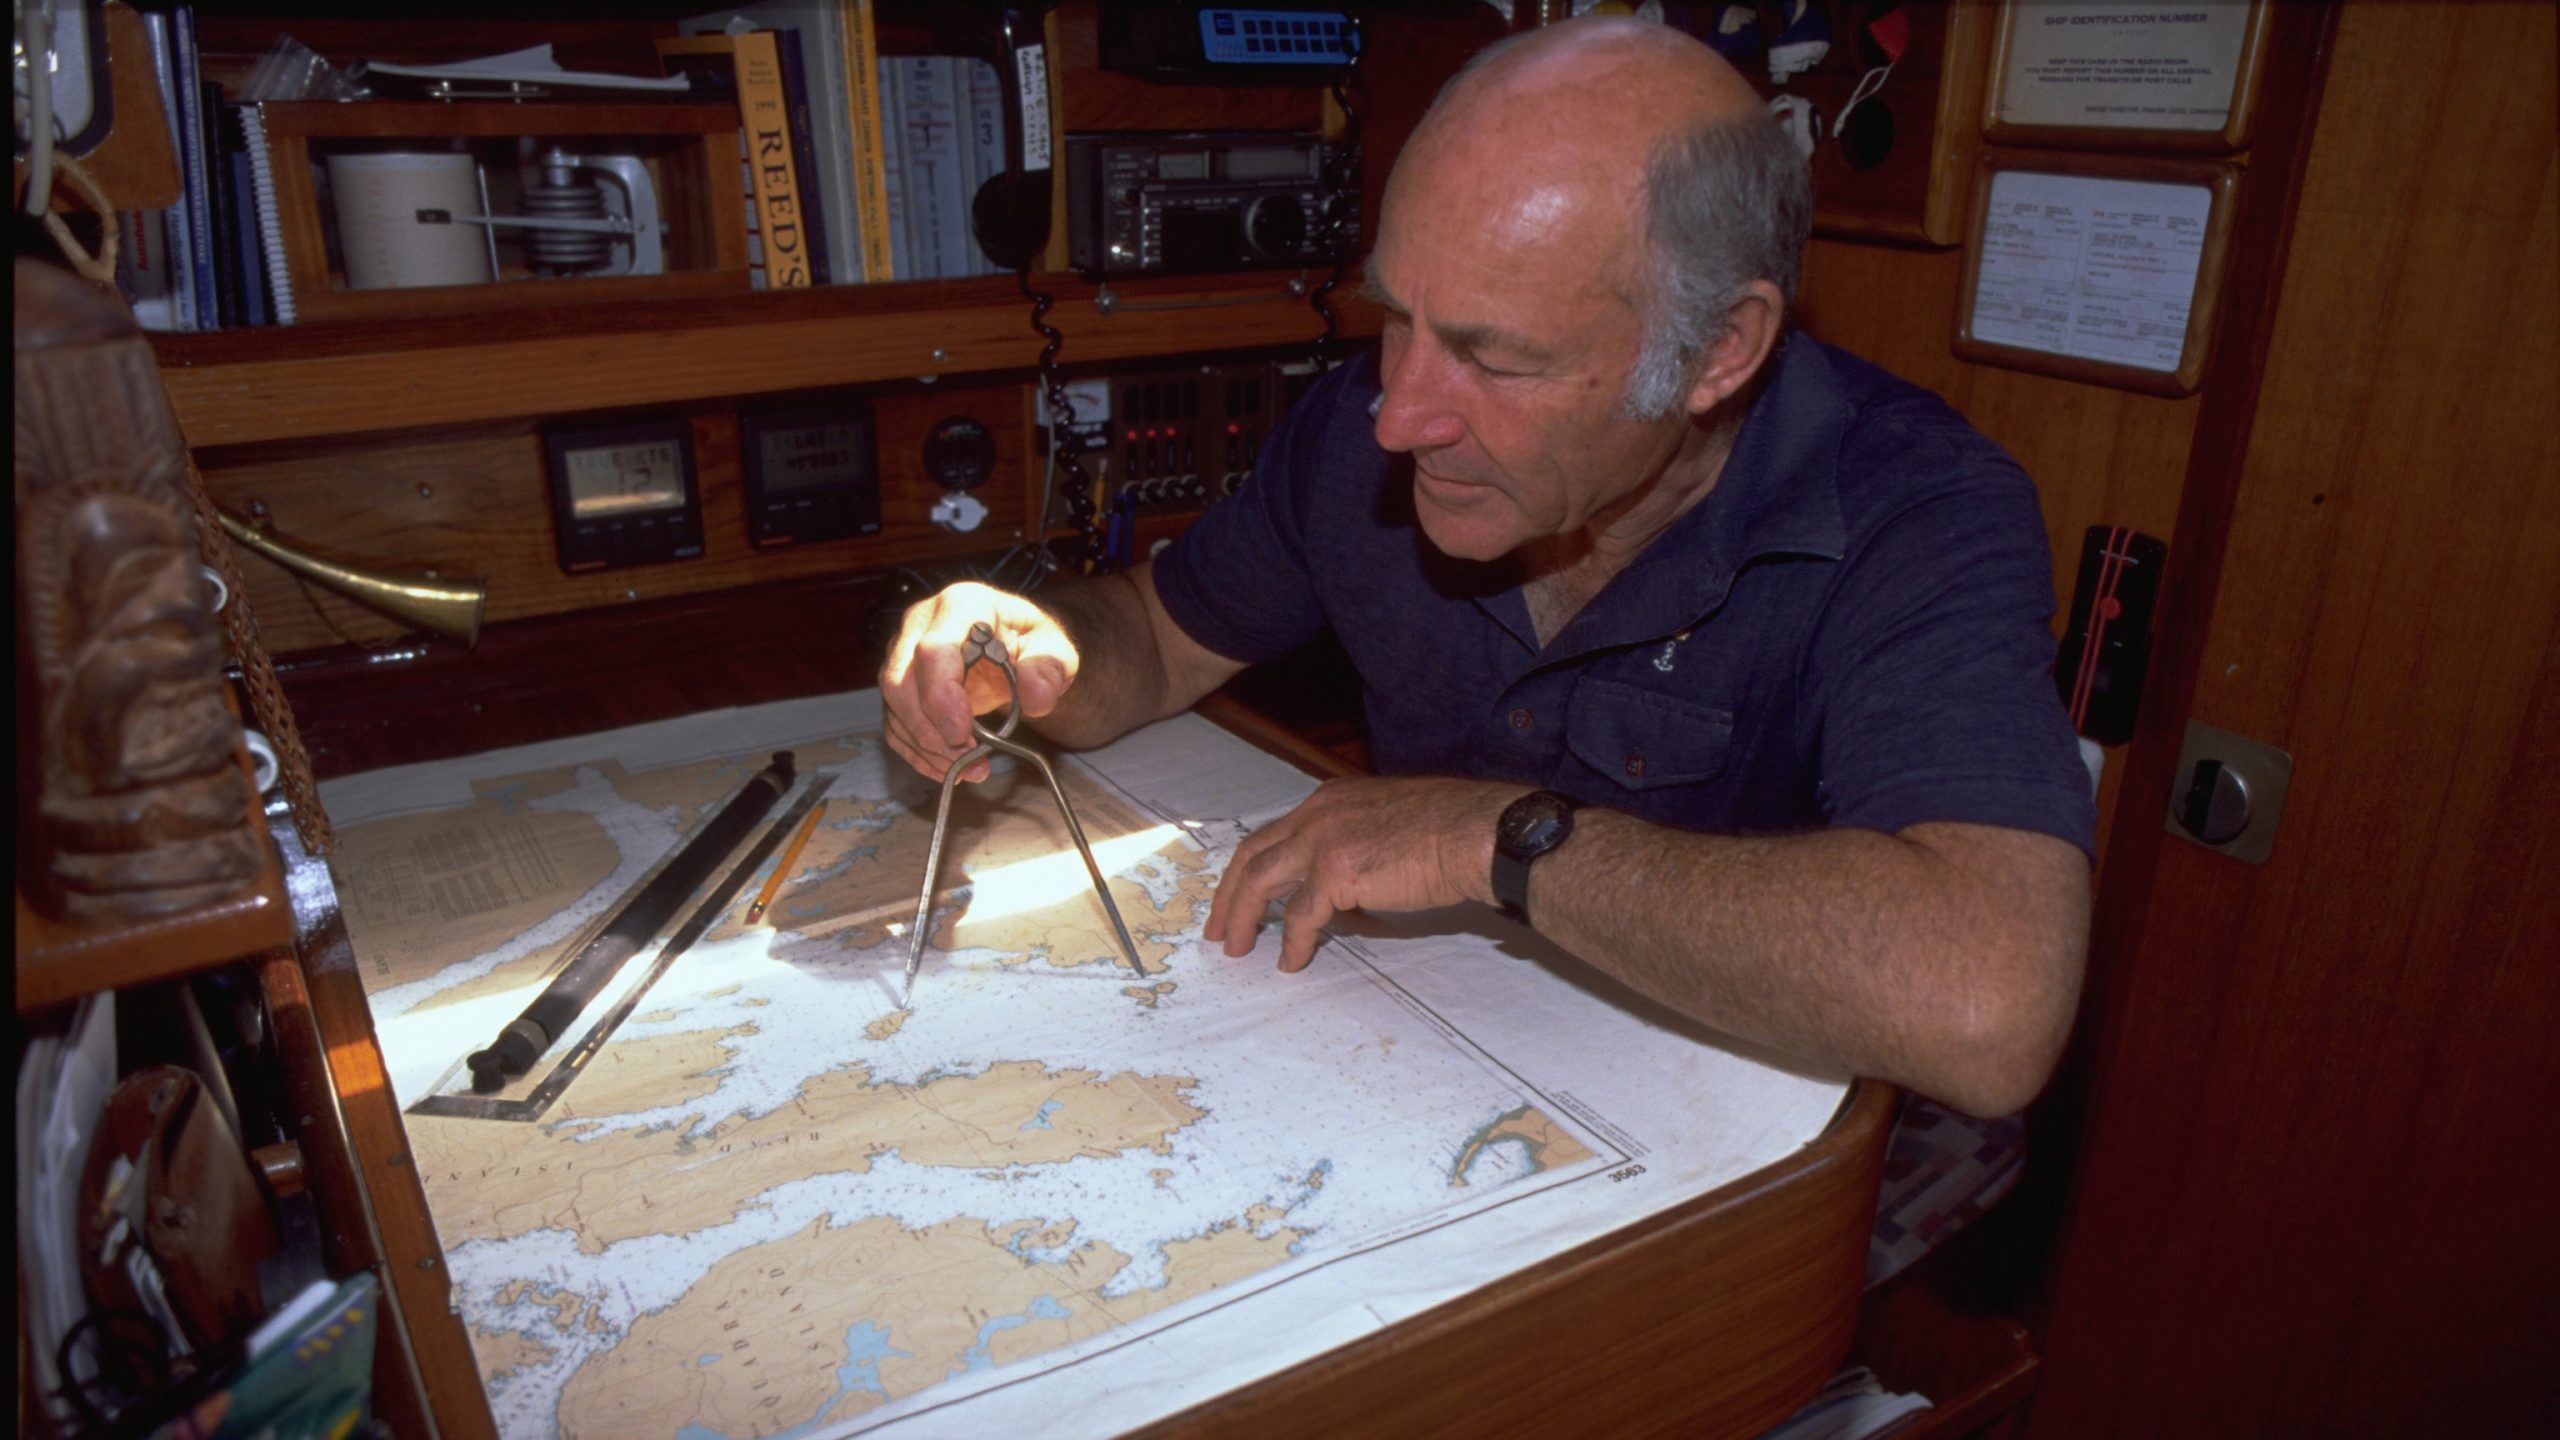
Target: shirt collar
1777 495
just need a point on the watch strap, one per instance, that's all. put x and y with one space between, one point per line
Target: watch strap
1511 860
1511 884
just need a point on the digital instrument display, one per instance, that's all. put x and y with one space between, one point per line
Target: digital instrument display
619 479
1270 162
811 469
813 457
623 493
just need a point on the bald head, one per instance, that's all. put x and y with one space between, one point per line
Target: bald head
1624 77
1638 147
1574 110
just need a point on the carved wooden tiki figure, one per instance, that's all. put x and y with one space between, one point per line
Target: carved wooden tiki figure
142 804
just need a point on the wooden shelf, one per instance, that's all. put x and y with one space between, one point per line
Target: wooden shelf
60 960
249 386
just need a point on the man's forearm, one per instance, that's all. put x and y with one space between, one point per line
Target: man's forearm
1122 679
1945 959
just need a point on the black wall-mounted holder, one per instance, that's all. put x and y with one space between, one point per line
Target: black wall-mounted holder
2107 646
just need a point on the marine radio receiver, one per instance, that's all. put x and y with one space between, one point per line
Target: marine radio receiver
1171 204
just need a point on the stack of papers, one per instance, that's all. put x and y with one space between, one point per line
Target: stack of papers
1854 1406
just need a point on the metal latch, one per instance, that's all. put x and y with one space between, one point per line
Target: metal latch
2228 792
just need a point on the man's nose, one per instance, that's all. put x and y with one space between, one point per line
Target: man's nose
1415 412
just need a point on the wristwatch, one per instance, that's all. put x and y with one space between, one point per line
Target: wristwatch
1530 827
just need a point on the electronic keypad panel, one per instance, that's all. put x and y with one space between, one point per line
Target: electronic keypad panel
1275 37
1269 44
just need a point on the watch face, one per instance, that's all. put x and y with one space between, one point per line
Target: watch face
1534 824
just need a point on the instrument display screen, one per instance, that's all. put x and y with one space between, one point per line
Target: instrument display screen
620 479
810 468
813 457
1268 162
623 493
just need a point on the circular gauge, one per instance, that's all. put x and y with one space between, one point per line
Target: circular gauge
960 453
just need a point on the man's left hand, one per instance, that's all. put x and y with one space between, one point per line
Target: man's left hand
1368 844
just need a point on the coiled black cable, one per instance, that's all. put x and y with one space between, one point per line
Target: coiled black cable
1342 181
1081 511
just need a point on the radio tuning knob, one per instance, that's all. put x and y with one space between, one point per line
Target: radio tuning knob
1276 226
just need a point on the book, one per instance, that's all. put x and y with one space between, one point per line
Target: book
142 268
893 179
177 241
869 142
821 26
222 225
242 252
195 174
766 115
262 197
930 160
309 1370
779 245
804 152
985 147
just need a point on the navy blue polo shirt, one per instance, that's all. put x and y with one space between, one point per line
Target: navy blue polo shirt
1850 629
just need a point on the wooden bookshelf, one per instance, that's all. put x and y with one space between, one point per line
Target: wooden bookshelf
240 387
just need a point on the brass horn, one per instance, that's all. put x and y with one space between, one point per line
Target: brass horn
435 606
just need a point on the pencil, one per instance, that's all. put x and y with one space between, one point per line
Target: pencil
782 867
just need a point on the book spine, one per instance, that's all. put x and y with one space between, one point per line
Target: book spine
177 247
932 144
893 177
197 196
870 151
142 267
243 262
262 195
219 208
986 146
804 154
766 117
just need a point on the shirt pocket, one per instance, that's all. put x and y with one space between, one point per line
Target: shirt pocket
1644 740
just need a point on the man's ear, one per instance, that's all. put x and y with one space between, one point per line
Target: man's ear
1751 330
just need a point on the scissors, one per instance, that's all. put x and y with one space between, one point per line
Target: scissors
982 645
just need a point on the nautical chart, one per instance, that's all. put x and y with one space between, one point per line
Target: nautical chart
1058 1195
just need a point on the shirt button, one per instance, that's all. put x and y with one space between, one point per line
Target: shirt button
1635 767
1521 719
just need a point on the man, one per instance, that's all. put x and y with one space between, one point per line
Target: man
1594 523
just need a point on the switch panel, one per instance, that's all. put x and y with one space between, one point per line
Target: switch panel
1184 437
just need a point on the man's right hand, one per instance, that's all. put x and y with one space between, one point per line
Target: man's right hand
927 703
